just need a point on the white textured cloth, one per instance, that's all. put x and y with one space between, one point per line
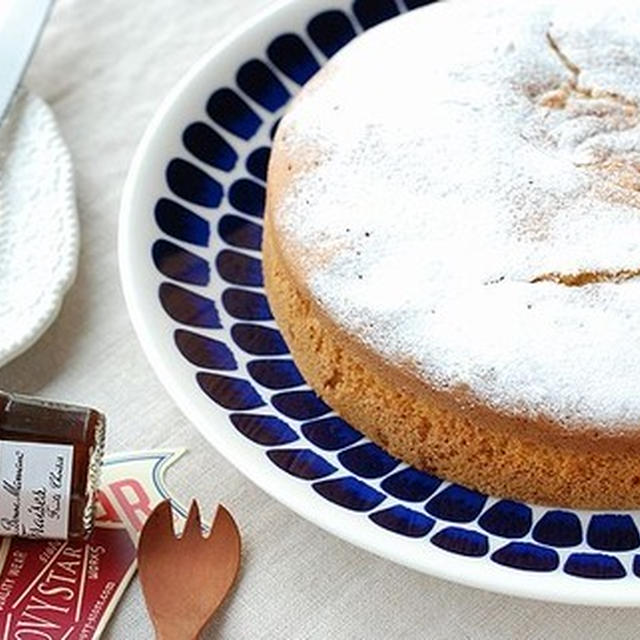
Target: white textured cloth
104 67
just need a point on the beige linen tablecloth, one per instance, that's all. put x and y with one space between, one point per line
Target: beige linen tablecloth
104 66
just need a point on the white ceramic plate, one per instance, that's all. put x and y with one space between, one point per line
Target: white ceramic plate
190 234
39 234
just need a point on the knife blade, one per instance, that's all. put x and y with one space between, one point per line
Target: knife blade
21 24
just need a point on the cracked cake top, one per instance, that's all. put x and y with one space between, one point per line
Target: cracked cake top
462 194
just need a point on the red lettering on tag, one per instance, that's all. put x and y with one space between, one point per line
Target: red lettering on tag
133 500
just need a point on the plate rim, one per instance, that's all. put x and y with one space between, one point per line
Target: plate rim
500 579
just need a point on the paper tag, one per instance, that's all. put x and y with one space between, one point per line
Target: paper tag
35 486
68 590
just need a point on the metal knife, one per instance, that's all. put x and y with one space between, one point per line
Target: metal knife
21 24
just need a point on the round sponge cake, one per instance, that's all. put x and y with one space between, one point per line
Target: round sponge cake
452 244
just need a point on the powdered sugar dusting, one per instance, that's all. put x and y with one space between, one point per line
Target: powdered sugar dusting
474 158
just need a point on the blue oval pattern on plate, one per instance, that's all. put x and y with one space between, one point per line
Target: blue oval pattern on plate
275 374
302 463
373 12
246 305
193 184
233 134
462 541
300 405
350 493
258 161
204 351
263 429
231 112
187 307
228 392
257 80
507 518
406 522
181 223
238 268
411 485
527 556
558 529
456 504
597 566
208 145
179 264
292 56
368 460
258 340
331 433
613 532
240 232
248 197
330 31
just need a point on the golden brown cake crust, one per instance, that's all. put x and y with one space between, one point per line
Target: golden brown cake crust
444 434
581 448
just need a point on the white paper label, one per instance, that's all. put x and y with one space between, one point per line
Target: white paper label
35 487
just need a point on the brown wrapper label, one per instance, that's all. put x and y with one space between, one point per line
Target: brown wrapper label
68 590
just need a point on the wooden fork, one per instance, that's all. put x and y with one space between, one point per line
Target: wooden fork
185 580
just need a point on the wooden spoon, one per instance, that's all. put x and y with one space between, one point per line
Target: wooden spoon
185 580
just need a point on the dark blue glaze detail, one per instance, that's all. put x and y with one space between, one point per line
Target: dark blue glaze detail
203 351
228 392
265 430
260 83
258 162
275 374
462 542
411 484
526 556
300 405
193 184
246 305
507 518
414 4
292 56
331 433
594 565
612 532
239 232
349 493
274 128
301 463
187 307
178 263
456 503
330 31
636 566
238 268
258 340
368 460
180 223
226 108
208 145
404 521
558 529
248 197
373 12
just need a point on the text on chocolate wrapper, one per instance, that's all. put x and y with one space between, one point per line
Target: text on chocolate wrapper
34 487
14 490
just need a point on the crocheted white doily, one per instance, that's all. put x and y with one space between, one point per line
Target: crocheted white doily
39 233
